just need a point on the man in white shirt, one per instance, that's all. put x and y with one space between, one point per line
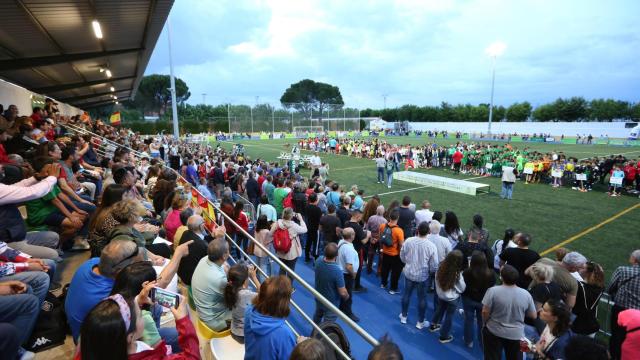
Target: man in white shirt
315 162
380 163
424 214
349 262
443 247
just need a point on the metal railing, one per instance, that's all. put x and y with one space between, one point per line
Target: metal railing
319 297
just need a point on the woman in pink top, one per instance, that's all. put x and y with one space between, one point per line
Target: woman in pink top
172 222
630 320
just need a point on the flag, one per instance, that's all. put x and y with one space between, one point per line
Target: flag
115 118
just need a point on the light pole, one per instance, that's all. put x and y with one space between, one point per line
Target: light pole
494 50
204 99
176 132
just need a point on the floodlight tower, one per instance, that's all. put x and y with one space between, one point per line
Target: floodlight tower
494 50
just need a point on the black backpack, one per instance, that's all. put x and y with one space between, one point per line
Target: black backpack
337 335
51 328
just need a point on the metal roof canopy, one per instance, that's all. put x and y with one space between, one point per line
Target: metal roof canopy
49 46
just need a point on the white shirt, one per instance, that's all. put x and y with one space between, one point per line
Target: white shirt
423 215
347 254
315 160
443 245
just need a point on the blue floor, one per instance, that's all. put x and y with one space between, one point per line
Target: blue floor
378 312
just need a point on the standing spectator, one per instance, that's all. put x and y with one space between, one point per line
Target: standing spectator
424 214
543 290
266 209
504 308
235 231
406 221
500 245
587 300
451 228
350 264
391 254
263 236
329 282
557 333
449 286
421 258
457 161
474 244
238 296
266 335
520 258
268 189
625 291
478 279
295 230
278 196
443 246
373 225
314 214
509 174
389 165
380 163
330 225
343 212
252 188
478 225
360 244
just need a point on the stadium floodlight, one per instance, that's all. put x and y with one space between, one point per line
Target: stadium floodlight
96 29
494 50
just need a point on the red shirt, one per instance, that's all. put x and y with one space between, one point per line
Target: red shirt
630 172
630 319
261 180
457 156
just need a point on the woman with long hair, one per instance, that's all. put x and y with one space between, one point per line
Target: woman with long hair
590 291
449 286
111 331
238 296
370 208
263 235
499 246
102 221
240 218
129 283
266 335
172 221
557 333
478 278
393 205
451 228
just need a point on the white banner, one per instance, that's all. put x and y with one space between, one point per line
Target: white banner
616 181
528 171
556 173
581 177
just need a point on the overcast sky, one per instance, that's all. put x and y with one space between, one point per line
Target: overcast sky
418 52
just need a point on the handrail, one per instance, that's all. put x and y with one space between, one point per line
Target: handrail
326 303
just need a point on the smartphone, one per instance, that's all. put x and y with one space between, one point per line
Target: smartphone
165 298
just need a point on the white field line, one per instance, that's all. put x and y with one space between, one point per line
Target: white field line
399 191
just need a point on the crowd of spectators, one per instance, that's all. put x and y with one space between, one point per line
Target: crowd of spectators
133 211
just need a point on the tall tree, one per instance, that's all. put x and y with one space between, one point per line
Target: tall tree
307 96
518 112
154 95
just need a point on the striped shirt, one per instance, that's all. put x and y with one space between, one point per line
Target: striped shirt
420 257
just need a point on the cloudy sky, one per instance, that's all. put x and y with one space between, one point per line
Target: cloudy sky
418 52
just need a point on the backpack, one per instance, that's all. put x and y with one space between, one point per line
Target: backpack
287 202
389 165
281 240
51 327
337 335
386 237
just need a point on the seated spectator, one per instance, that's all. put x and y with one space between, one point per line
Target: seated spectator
238 296
129 283
172 222
13 229
587 300
128 213
543 290
557 333
571 262
9 340
208 283
309 349
449 286
102 221
184 217
197 234
585 348
504 308
266 335
520 258
112 329
385 350
623 288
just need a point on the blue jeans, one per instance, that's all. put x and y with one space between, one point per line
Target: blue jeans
507 190
322 314
9 341
445 309
421 287
389 177
90 209
38 281
380 174
472 309
20 311
168 334
264 263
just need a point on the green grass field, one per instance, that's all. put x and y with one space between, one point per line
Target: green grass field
549 215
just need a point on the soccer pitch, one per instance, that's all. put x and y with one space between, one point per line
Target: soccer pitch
603 228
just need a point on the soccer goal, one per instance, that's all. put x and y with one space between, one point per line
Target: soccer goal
304 130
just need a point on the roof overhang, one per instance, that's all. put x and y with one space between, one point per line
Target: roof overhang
50 46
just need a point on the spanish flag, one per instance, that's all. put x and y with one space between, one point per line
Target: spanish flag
115 118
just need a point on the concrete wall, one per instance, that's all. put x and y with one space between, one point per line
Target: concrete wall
22 98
